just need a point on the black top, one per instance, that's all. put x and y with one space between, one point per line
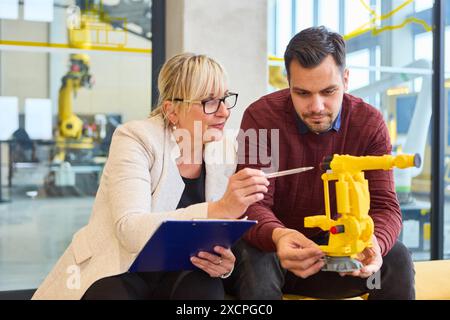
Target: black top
194 190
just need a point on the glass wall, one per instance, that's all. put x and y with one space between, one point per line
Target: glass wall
70 72
389 47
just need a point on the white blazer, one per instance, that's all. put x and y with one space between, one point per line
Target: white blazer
140 187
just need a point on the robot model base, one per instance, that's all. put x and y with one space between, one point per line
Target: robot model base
341 264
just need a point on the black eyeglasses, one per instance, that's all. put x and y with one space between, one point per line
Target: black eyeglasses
211 106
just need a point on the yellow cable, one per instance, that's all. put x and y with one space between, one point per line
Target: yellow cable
387 15
404 23
375 31
365 5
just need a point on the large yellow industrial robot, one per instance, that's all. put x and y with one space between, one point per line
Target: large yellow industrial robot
70 126
352 232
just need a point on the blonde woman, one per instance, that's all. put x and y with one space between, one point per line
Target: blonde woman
169 166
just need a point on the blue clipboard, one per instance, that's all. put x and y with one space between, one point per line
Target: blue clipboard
175 241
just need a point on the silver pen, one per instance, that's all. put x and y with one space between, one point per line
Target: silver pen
287 172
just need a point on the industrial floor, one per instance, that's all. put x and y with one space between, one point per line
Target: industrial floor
33 234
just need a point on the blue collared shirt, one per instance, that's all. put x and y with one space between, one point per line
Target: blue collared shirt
303 129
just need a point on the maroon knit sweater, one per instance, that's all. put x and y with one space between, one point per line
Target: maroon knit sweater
291 198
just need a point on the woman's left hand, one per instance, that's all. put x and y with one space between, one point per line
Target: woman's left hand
216 265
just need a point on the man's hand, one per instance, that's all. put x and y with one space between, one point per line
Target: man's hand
297 253
371 259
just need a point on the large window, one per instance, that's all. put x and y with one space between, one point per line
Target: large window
71 71
329 13
447 140
389 47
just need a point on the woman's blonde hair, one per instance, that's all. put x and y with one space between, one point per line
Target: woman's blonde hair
191 77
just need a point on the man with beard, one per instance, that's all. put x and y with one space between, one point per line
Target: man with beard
315 119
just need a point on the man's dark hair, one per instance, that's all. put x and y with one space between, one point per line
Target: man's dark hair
311 46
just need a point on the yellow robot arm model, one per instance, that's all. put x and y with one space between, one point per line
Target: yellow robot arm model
352 232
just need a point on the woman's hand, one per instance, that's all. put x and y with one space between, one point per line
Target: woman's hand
216 265
244 188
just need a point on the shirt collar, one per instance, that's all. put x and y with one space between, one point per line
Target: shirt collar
303 129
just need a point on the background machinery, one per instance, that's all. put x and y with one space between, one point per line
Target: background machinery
70 126
414 140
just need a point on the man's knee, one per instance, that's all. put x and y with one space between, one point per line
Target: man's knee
198 285
258 275
397 275
399 257
253 260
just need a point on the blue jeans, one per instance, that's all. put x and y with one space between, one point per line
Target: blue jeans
259 276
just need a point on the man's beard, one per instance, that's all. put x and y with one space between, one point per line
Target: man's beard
318 126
